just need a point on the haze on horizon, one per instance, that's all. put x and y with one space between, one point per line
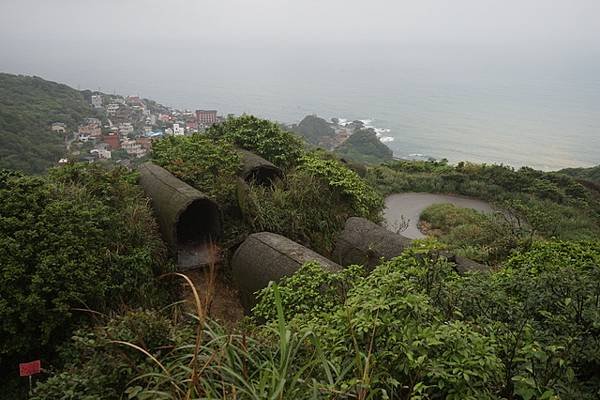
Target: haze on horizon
220 22
36 34
502 76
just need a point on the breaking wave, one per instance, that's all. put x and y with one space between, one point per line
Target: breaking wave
382 133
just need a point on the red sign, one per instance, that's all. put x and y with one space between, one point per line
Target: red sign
30 368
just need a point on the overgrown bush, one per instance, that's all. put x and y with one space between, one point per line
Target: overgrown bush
96 366
83 237
261 136
528 331
209 166
365 200
301 207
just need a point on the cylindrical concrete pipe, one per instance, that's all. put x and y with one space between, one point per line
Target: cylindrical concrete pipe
363 242
187 217
264 257
257 169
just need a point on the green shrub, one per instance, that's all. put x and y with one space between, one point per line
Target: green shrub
261 136
209 166
444 217
365 201
83 237
311 291
95 367
301 207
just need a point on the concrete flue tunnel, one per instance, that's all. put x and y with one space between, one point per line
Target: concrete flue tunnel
267 257
363 242
366 243
258 170
198 222
189 220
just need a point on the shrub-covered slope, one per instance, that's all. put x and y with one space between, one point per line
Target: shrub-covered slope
80 238
591 174
28 107
365 147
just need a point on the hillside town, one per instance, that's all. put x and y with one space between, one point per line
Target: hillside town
124 127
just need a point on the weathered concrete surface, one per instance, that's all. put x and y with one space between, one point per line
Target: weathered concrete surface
365 243
257 169
264 257
187 218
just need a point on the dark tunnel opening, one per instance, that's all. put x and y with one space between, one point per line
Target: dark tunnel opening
264 176
199 223
198 228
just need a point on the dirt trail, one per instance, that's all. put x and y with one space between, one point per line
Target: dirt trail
224 301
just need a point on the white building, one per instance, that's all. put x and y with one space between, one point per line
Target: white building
125 128
97 101
102 153
178 130
133 148
112 108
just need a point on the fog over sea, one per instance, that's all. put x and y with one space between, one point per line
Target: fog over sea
489 104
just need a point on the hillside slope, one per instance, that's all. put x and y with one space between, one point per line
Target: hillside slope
364 146
28 107
589 174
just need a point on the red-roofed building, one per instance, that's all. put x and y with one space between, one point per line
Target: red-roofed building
113 141
206 117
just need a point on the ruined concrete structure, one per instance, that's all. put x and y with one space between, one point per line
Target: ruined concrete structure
265 257
187 217
257 169
366 243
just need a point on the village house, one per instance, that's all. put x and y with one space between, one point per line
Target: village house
59 127
126 128
145 142
90 129
97 101
112 109
178 130
113 141
191 125
101 153
206 118
164 117
133 148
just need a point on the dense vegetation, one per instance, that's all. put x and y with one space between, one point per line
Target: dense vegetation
364 146
28 107
210 166
261 136
81 238
411 329
535 205
310 204
315 130
590 174
80 255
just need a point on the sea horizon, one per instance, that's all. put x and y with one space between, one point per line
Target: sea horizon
485 104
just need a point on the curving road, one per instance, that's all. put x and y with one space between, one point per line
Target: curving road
410 205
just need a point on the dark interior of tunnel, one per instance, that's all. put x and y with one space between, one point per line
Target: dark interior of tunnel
199 223
264 176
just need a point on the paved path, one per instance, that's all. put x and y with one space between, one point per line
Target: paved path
410 205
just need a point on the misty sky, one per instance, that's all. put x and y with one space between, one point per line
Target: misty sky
303 21
502 75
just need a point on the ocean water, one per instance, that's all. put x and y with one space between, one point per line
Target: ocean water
511 105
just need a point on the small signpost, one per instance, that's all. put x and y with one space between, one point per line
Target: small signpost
29 369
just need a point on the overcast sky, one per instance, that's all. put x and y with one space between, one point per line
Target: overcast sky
300 22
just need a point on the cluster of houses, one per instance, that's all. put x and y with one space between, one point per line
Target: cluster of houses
130 125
